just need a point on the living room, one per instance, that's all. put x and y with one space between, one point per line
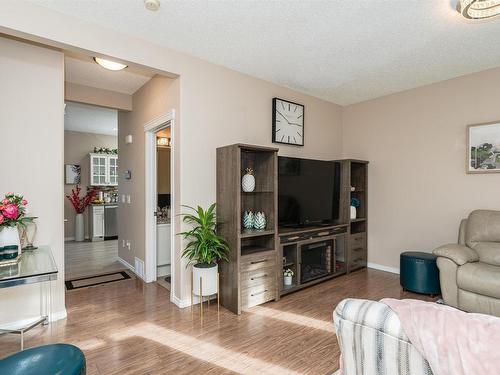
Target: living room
400 101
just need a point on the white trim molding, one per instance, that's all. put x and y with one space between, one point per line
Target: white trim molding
163 121
381 267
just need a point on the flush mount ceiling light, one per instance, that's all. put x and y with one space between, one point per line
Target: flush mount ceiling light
111 65
478 9
153 5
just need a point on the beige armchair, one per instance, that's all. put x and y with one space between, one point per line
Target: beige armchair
470 270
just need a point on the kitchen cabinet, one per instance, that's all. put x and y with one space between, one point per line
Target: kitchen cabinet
103 169
96 223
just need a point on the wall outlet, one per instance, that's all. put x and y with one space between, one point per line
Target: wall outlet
128 245
128 198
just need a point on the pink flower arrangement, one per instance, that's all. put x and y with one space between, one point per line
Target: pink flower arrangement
13 210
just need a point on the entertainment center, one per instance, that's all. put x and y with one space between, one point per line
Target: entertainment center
309 233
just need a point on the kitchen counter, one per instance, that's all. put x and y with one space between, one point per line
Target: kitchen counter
105 204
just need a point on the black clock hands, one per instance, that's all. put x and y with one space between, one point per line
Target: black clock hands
283 116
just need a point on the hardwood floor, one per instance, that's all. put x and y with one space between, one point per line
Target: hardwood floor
129 327
91 258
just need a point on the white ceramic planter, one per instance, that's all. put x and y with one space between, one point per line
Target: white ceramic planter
79 228
287 280
10 236
208 276
353 212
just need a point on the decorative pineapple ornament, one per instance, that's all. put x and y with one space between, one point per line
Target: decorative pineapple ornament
248 220
259 221
248 181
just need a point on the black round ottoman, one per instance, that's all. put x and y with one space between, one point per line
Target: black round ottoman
419 273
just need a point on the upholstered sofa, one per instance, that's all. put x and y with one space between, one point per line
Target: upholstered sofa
372 341
470 270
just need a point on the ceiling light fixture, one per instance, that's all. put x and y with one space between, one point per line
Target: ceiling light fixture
152 5
108 64
478 9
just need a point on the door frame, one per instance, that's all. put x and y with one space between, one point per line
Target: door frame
163 121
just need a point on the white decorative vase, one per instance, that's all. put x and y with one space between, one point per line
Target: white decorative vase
248 220
287 280
259 221
10 236
208 276
79 228
353 212
248 181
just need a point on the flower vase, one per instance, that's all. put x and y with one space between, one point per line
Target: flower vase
287 280
79 228
248 220
353 213
9 236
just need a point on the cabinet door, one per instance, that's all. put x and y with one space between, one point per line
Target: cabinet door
98 164
113 170
98 222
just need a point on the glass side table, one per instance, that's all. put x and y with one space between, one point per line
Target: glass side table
34 267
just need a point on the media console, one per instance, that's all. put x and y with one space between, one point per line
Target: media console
254 273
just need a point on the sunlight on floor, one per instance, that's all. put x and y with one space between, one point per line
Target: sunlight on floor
292 318
90 344
204 351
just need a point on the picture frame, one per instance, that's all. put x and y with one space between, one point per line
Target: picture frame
73 174
483 148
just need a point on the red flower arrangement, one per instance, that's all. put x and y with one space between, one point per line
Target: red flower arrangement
80 204
12 210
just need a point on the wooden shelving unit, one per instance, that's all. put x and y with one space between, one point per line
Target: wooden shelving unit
250 278
357 175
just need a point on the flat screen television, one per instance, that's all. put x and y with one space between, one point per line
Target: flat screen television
308 192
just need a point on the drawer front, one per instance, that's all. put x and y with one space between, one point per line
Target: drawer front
257 261
357 240
260 277
257 295
357 262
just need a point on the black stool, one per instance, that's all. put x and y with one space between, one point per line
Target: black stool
419 273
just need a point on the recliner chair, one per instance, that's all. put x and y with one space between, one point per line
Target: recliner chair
470 270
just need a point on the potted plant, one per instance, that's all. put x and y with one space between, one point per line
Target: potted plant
12 215
80 204
204 249
287 277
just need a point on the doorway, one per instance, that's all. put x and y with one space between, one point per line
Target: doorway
159 198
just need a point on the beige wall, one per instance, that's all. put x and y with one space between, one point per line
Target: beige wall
218 107
95 96
77 146
416 144
158 95
163 170
31 128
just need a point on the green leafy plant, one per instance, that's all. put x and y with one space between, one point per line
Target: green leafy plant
205 246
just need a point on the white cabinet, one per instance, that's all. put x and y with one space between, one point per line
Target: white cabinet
96 218
103 170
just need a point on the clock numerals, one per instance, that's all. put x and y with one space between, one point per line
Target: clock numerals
288 122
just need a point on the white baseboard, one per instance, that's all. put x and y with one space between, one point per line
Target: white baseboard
130 267
186 302
381 267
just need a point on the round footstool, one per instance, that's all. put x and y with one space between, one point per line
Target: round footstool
419 273
60 359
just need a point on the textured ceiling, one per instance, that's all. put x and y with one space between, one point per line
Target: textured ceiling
90 119
342 51
84 71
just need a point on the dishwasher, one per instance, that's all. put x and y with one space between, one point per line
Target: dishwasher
110 223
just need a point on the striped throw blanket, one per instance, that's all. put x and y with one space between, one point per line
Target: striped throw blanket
373 342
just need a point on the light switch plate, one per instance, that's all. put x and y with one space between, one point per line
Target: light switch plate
128 198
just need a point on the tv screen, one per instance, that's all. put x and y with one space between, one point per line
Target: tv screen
308 192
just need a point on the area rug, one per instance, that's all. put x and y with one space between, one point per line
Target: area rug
85 282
